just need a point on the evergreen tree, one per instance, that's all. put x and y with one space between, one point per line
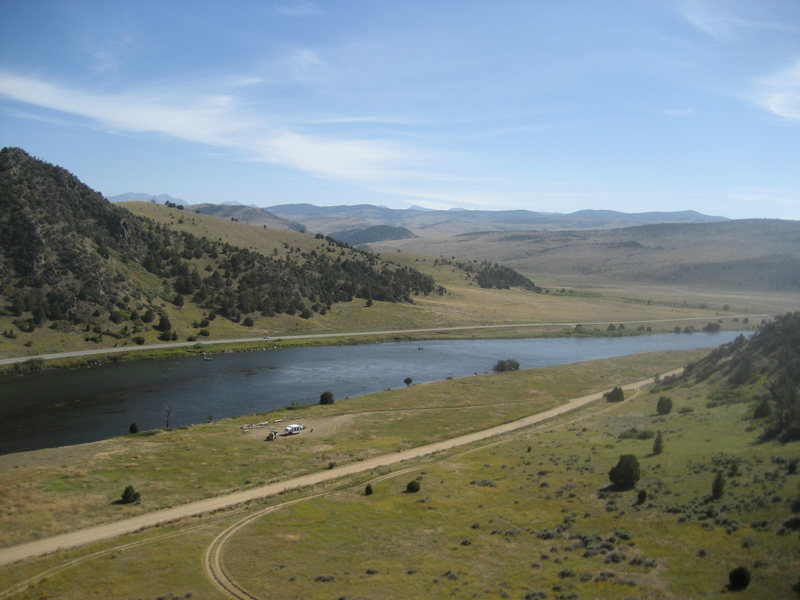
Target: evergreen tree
658 444
718 486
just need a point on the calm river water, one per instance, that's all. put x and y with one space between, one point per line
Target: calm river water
70 407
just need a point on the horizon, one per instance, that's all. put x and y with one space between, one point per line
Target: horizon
552 108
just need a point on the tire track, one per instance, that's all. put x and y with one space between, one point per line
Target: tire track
213 558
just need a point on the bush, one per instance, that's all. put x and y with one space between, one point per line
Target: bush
413 486
739 578
762 410
326 398
138 340
134 428
408 381
368 490
130 496
658 445
508 364
615 395
641 497
626 472
664 405
248 322
718 486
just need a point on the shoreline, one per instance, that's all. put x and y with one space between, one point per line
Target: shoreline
31 364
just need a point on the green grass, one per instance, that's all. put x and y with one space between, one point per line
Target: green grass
501 519
47 492
515 536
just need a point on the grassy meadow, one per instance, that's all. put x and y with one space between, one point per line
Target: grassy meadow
527 515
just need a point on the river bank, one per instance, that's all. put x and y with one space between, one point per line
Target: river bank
30 365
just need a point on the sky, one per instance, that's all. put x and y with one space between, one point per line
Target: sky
544 105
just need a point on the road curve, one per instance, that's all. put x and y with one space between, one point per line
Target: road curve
117 528
312 336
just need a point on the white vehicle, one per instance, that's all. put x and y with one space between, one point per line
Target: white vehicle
294 429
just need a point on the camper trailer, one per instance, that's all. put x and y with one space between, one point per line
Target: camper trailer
294 429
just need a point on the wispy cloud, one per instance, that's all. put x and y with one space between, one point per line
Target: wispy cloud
723 22
222 120
678 112
299 8
780 93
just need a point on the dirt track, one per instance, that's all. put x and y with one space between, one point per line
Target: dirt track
111 530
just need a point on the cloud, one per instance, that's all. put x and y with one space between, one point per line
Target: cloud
727 21
299 8
222 121
678 112
780 93
362 160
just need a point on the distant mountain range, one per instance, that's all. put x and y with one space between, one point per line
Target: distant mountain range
445 223
142 197
422 222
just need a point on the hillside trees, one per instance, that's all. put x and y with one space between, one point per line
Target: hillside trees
764 370
67 254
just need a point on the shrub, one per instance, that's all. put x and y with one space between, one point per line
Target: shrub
326 398
130 496
138 340
134 428
413 486
718 486
658 445
739 578
248 322
641 497
508 364
615 395
368 490
664 405
408 381
762 410
625 473
204 332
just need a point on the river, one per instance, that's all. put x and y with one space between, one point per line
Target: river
63 407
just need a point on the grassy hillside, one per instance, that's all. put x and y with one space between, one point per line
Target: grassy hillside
754 255
77 270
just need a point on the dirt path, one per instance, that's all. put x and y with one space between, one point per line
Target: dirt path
111 530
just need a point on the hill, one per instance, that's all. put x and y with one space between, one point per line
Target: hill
763 371
441 223
376 233
247 214
752 254
143 197
82 268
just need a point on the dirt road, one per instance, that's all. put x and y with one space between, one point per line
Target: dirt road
111 530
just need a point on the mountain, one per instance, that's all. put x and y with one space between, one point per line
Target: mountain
141 197
443 223
247 214
746 254
376 233
73 263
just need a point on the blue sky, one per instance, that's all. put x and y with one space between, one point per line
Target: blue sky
546 105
